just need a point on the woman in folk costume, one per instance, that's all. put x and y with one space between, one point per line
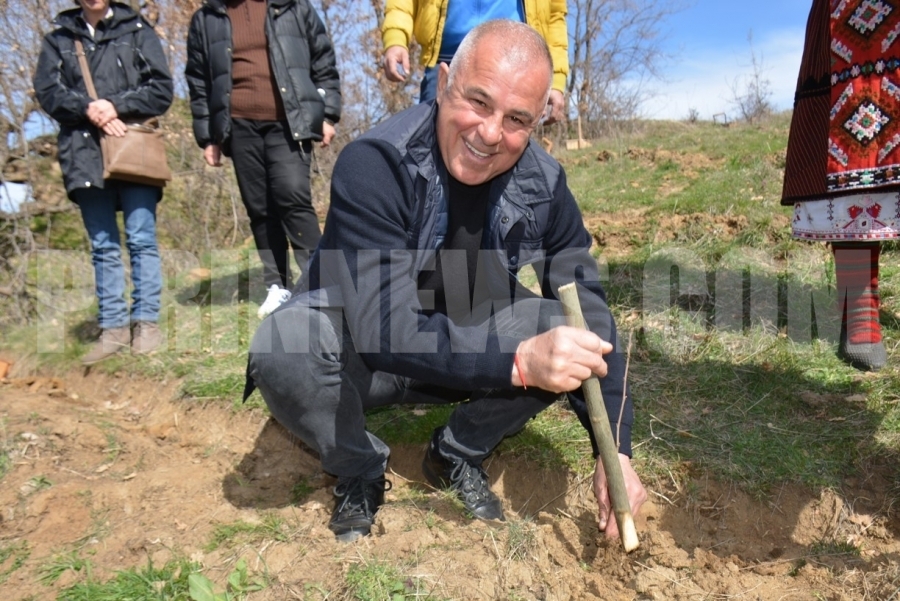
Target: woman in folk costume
843 158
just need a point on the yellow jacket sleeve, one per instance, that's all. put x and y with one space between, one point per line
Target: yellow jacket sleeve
397 29
549 19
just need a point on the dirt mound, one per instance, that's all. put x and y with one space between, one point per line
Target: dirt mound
621 232
119 470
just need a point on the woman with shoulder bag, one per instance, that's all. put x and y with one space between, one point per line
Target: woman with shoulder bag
132 81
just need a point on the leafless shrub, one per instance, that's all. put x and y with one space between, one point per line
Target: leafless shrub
616 46
750 93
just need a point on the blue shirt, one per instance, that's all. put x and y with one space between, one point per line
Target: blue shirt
464 15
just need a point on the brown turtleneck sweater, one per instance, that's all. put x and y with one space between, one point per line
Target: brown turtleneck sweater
254 93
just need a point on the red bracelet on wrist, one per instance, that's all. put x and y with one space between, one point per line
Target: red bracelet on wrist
519 368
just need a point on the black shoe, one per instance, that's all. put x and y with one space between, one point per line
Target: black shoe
468 481
354 508
870 356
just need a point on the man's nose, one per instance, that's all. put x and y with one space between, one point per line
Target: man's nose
491 130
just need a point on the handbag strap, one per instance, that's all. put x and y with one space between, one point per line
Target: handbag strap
85 70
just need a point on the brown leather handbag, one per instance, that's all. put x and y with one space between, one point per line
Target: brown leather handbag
140 155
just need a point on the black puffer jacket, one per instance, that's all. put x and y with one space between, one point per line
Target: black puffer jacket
301 57
128 68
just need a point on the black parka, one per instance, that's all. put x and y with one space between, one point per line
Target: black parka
129 69
301 57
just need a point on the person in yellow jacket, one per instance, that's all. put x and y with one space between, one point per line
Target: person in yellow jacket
440 25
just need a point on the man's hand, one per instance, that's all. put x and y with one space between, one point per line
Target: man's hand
100 112
559 360
556 104
396 63
213 155
636 495
327 133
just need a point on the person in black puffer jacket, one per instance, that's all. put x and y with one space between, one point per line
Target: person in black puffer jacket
264 86
133 82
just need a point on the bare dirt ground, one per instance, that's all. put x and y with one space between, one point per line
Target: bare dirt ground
122 470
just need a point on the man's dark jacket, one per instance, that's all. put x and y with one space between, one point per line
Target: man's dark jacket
129 69
301 57
387 217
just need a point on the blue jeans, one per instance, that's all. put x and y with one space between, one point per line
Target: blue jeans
428 87
303 361
98 211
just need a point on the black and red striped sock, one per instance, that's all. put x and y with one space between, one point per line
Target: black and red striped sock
856 272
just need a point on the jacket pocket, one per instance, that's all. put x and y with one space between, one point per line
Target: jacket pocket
524 251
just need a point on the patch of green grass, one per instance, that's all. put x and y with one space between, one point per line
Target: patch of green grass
406 424
215 381
796 567
749 407
521 539
169 582
554 439
834 548
36 483
5 450
669 168
207 323
271 527
12 557
50 572
239 585
113 446
375 580
62 231
4 462
301 490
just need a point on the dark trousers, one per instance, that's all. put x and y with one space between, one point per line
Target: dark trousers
273 176
314 382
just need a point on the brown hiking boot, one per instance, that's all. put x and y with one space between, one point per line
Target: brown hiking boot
145 337
111 341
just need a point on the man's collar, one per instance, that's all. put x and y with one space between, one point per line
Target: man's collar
106 17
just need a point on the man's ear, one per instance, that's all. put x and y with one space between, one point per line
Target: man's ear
443 78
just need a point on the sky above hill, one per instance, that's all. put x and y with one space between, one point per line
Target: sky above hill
710 53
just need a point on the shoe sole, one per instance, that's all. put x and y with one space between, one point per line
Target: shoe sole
352 535
136 351
112 354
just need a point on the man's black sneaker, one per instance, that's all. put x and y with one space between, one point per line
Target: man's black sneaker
468 481
356 502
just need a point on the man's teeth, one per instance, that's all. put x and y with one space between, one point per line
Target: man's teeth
483 155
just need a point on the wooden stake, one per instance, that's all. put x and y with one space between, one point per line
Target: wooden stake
609 454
